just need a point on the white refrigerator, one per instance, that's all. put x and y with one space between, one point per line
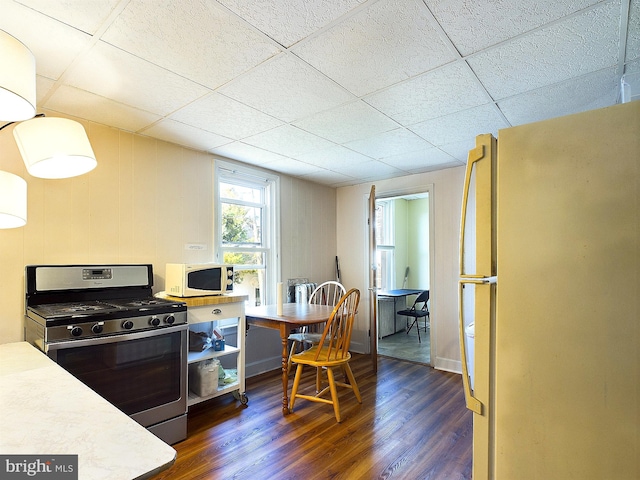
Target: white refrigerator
550 276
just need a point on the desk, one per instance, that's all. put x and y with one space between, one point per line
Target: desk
388 326
294 315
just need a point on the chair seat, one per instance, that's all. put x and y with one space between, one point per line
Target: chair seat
414 313
307 357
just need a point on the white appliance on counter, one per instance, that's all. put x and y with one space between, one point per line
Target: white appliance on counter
550 275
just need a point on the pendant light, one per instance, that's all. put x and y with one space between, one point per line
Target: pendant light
54 147
17 80
13 200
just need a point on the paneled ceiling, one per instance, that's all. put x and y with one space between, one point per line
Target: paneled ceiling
338 92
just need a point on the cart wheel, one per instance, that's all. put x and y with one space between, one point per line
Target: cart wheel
241 396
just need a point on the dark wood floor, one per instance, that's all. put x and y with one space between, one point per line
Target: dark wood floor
412 424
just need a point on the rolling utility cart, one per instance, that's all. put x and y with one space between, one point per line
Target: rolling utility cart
220 368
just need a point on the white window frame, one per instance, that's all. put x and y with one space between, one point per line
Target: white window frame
388 225
227 172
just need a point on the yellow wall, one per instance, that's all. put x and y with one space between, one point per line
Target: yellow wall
144 201
446 195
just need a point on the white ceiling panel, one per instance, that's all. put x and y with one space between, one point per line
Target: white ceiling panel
337 92
420 160
440 92
633 35
390 41
596 90
196 39
286 24
390 143
83 104
473 25
333 157
248 153
84 15
287 89
288 141
347 122
225 116
54 44
112 73
461 125
542 57
181 134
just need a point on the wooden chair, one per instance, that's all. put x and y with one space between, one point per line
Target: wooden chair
417 312
331 352
327 293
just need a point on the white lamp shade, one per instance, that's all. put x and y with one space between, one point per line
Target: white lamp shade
17 80
13 200
54 147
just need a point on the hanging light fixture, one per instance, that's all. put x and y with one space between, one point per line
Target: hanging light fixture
54 147
17 80
13 200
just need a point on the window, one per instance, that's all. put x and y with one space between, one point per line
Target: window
245 229
385 245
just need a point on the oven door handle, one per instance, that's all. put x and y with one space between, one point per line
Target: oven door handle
119 337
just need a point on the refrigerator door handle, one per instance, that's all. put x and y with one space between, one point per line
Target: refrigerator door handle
472 402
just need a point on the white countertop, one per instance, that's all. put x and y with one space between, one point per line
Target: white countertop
44 410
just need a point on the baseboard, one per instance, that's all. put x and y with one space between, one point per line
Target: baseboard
262 366
448 365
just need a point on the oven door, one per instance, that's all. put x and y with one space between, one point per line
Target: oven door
144 374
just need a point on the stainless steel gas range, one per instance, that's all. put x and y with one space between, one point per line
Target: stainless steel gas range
103 325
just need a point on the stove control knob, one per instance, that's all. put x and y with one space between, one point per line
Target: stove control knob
155 321
97 328
169 319
76 331
127 325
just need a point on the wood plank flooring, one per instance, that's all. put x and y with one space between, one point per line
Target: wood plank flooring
412 424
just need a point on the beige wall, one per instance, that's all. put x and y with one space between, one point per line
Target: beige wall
445 188
142 204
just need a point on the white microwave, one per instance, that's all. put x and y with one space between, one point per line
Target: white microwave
194 280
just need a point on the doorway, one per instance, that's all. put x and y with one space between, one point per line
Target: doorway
403 270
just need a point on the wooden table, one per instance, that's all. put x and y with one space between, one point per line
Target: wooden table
293 315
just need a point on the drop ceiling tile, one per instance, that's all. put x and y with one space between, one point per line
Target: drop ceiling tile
186 135
632 78
293 167
287 89
373 170
573 47
347 122
285 21
225 116
420 160
460 150
394 142
327 177
113 73
248 153
83 104
433 94
43 86
288 141
199 40
473 25
335 158
596 90
461 126
83 15
54 44
389 41
633 31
